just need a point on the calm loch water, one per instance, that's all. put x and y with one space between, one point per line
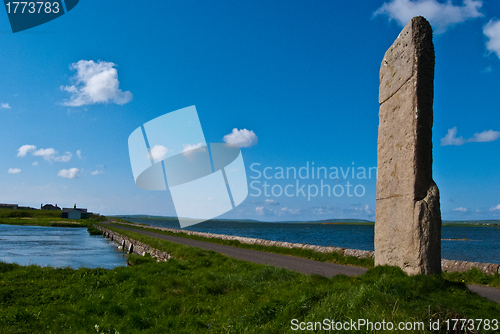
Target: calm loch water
57 247
482 244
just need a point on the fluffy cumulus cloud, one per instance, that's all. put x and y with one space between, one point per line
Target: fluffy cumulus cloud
241 138
495 208
492 31
49 154
158 152
69 173
46 153
14 170
4 106
460 209
79 154
441 15
63 158
451 138
480 137
95 83
485 136
23 150
96 172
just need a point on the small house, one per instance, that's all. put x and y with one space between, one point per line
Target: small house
50 207
75 213
8 206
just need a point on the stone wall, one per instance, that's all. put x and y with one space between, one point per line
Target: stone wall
447 265
133 246
451 266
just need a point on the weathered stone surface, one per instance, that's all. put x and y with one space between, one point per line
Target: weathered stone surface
408 216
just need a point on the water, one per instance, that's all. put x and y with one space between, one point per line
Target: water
482 244
57 247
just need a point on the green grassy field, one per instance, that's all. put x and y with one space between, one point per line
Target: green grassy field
202 291
205 292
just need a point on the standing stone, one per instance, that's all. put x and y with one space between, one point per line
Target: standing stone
408 217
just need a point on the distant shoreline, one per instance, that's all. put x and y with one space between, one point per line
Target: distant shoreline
347 221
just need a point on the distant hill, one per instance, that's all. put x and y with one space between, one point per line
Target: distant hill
471 222
325 221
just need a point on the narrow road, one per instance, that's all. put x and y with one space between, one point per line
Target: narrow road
289 262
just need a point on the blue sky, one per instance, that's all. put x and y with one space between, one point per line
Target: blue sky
297 79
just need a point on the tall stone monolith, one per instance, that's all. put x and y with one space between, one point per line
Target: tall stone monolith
408 217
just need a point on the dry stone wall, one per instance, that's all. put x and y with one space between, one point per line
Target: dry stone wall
133 246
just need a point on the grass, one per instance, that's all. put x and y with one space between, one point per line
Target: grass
205 292
473 276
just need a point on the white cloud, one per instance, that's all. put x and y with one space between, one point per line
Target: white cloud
492 31
241 138
460 209
79 154
495 208
69 173
35 163
96 172
290 211
189 147
480 137
158 152
63 158
271 202
95 83
261 210
485 136
4 106
23 150
440 15
14 170
49 154
451 139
